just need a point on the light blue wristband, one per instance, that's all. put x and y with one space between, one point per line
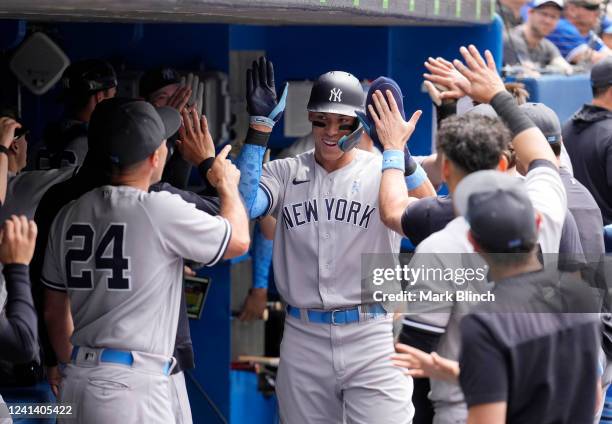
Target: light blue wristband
393 159
417 178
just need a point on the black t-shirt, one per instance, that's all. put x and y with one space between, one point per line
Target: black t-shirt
588 139
427 216
571 256
88 178
527 351
588 218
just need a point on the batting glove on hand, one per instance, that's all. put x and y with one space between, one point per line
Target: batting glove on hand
262 103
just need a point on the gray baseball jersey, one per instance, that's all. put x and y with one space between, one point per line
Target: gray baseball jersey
118 252
325 221
24 190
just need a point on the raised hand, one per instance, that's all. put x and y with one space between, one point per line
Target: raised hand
484 81
223 174
195 142
393 132
7 131
444 74
196 98
263 105
180 98
18 240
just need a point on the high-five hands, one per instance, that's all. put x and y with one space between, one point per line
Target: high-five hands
391 128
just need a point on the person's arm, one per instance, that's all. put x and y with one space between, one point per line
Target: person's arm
544 185
224 176
18 325
208 204
419 364
265 109
489 413
7 134
255 302
394 133
59 323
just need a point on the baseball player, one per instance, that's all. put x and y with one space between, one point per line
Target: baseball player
122 300
263 234
326 205
85 84
24 189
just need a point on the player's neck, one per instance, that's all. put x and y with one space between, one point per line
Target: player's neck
136 181
500 272
603 103
13 166
334 165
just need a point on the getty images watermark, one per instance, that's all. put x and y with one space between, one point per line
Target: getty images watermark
425 281
435 283
431 280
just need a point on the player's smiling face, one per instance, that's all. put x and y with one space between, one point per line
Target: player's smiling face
328 129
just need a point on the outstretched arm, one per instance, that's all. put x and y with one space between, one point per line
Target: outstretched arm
265 109
394 133
18 329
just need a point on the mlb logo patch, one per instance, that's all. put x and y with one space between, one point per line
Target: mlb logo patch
355 187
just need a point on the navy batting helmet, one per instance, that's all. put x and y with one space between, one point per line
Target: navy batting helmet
337 92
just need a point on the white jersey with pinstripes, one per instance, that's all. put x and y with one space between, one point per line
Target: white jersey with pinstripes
118 252
325 222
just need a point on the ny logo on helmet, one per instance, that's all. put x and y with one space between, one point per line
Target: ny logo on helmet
335 95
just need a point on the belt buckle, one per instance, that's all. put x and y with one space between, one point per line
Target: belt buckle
333 316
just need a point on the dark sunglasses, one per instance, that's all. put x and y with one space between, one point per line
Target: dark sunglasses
591 7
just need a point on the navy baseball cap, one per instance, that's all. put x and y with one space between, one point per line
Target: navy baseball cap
500 214
154 79
88 77
383 84
601 73
128 130
545 119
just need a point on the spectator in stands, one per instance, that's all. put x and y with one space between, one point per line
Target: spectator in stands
526 44
576 33
86 83
588 139
510 11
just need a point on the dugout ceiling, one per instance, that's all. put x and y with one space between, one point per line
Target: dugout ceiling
281 12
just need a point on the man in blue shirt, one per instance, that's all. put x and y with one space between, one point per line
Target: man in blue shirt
576 36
